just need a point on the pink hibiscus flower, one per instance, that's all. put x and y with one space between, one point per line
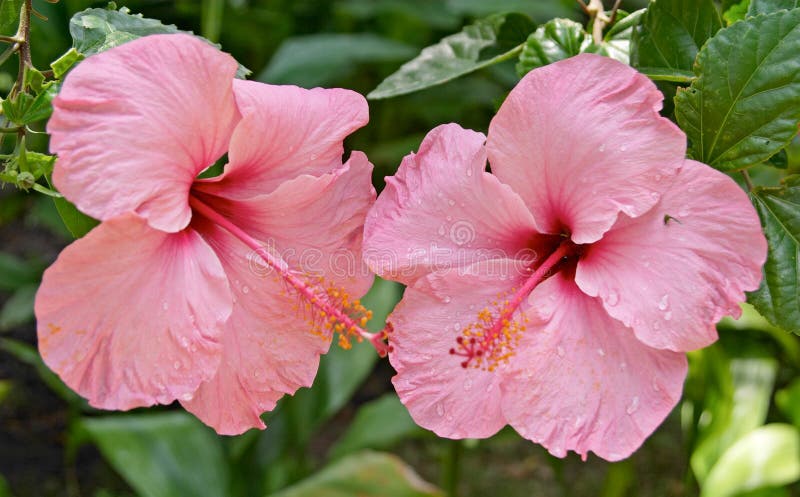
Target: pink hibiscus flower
186 289
558 294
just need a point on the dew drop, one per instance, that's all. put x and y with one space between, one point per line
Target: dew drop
602 147
441 230
623 366
560 351
657 177
683 212
663 304
313 156
164 305
654 195
667 315
439 409
469 172
656 325
245 289
447 299
468 384
623 148
176 365
601 352
187 397
184 342
633 406
256 373
656 386
451 202
613 298
449 218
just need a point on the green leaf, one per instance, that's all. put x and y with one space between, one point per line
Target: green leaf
9 16
377 425
367 474
671 33
779 160
767 456
788 401
744 105
18 309
485 42
162 455
76 221
27 109
768 6
776 299
560 39
16 273
96 30
539 10
64 63
323 59
737 12
738 405
556 40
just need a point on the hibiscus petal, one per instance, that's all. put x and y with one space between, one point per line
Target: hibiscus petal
129 316
166 104
582 382
268 349
442 210
672 273
313 223
581 140
441 395
286 132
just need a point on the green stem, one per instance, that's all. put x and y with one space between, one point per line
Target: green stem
23 46
211 19
747 181
451 468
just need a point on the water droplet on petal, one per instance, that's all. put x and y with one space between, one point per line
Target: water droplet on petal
602 147
656 325
439 409
164 305
613 298
468 384
667 315
623 148
187 397
245 289
176 365
441 230
446 299
663 304
469 172
451 202
633 406
657 177
560 351
601 352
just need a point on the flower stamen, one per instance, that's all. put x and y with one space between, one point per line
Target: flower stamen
492 338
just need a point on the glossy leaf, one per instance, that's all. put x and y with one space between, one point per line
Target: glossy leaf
768 6
367 474
776 299
377 425
671 33
97 30
562 38
162 455
744 105
323 59
556 40
481 44
767 456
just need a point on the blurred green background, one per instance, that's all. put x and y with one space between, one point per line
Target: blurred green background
734 434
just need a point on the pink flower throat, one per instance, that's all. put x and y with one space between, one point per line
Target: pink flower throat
492 338
332 310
